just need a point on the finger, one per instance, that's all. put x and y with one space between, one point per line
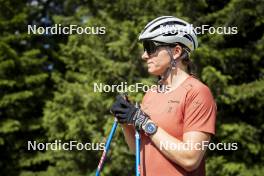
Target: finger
119 97
119 110
122 98
124 103
116 105
120 118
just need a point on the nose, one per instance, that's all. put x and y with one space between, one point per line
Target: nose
145 56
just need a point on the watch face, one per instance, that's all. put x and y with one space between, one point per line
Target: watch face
150 128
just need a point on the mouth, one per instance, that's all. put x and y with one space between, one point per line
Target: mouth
149 63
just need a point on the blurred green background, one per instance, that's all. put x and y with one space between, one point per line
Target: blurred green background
46 81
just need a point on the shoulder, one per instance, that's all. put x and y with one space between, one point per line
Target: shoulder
147 95
195 88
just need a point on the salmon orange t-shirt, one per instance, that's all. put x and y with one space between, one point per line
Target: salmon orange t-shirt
189 107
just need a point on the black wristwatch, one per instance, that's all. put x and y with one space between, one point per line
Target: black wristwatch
150 128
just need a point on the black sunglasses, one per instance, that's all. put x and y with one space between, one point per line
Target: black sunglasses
151 47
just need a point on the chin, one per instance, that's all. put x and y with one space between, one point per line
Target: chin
154 72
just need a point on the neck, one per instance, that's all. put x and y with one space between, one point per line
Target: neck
176 77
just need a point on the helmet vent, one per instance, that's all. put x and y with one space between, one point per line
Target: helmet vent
189 38
175 23
171 33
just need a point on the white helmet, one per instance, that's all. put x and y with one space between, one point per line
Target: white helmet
170 30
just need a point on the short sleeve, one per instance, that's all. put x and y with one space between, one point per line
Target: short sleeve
200 110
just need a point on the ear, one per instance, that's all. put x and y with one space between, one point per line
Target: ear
177 51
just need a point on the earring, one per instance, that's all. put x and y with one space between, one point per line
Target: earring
173 64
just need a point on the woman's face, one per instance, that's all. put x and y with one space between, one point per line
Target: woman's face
157 62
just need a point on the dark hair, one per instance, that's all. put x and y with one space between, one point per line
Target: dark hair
185 59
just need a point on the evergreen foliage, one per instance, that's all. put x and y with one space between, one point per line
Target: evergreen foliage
47 81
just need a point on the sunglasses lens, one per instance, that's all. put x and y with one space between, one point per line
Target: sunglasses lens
149 47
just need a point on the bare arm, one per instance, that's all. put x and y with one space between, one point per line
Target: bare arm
188 159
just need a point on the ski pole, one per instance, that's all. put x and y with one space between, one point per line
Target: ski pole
137 137
107 147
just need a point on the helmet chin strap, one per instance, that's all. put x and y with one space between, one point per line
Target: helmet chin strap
168 71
